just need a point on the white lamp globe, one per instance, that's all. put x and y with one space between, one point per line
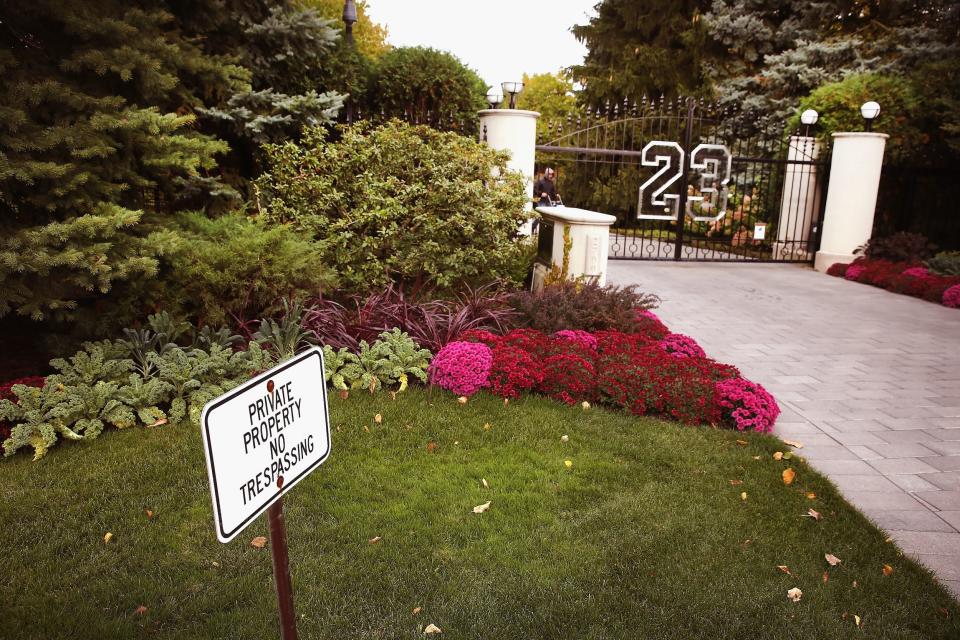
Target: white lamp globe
809 117
870 110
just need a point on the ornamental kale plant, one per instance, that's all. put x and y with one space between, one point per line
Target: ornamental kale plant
391 360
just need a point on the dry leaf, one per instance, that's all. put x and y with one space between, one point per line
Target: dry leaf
854 584
486 426
259 542
813 514
795 594
736 482
366 428
564 438
456 443
585 405
826 577
506 401
887 570
568 463
794 444
432 628
158 423
374 540
149 513
378 419
832 560
742 443
215 563
484 482
417 610
743 496
107 537
140 610
856 619
788 475
756 457
480 508
462 399
432 446
778 455
393 395
811 496
344 394
784 568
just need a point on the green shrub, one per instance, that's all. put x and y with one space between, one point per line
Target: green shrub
399 202
216 271
902 246
392 359
586 306
945 263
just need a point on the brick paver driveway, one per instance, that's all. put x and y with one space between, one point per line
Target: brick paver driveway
868 380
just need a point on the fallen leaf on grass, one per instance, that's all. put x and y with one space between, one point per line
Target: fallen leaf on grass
417 610
215 563
140 610
794 444
480 508
856 619
344 394
393 395
887 570
149 513
431 629
832 560
158 423
432 446
811 496
826 577
585 405
756 457
736 482
742 443
568 463
743 496
374 540
813 514
854 584
506 401
462 399
795 594
366 428
564 438
486 426
259 542
484 482
107 537
378 419
788 475
778 455
784 568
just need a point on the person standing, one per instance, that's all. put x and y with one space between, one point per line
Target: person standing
545 188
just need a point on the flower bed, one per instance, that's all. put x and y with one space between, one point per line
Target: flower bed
644 374
902 277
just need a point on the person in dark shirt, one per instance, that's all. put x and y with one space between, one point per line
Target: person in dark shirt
545 188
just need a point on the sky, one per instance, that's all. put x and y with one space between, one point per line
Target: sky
499 39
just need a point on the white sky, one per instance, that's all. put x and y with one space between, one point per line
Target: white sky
499 39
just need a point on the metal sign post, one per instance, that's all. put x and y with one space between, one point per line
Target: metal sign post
281 571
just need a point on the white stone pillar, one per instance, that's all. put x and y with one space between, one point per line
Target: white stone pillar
851 196
800 201
514 130
589 234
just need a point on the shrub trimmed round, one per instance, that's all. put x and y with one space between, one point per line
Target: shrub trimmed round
462 367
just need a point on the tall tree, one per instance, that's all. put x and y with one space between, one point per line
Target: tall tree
642 47
96 129
550 94
370 37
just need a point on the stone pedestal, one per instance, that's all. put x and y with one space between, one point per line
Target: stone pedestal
514 130
589 234
851 197
800 202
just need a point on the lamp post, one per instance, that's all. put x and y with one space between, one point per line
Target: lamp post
494 98
869 111
809 118
349 18
512 88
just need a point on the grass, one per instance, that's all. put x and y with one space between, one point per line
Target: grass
644 537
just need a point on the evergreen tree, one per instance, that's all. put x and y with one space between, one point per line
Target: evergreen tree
96 128
642 47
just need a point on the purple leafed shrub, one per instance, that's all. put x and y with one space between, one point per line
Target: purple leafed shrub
431 323
462 367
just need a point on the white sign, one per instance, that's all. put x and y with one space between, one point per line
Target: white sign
759 231
264 437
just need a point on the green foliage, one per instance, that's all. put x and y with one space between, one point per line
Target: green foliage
286 337
552 96
370 38
945 263
426 86
903 246
336 363
398 202
391 360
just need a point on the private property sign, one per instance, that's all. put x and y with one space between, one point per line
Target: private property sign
264 437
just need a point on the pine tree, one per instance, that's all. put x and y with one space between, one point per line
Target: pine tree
95 129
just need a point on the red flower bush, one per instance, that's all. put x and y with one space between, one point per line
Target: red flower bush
681 346
613 342
854 271
514 371
899 277
649 324
746 405
951 297
462 367
568 376
838 269
583 338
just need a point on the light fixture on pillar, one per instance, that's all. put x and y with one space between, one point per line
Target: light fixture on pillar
869 111
809 118
349 18
512 88
494 98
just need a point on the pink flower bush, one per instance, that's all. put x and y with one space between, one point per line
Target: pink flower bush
646 313
681 346
916 272
747 405
583 338
462 367
854 271
951 297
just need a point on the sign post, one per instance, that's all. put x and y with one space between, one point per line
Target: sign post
260 440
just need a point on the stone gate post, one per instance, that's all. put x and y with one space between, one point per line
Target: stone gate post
851 196
513 130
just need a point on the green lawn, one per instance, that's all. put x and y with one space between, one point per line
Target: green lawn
644 537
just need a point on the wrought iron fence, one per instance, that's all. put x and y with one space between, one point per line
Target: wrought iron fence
918 194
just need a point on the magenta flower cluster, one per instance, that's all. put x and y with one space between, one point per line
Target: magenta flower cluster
646 313
681 346
916 272
854 271
951 297
747 404
583 338
462 367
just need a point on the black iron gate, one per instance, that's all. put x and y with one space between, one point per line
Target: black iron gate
687 181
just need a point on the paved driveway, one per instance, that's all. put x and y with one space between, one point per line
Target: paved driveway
868 380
